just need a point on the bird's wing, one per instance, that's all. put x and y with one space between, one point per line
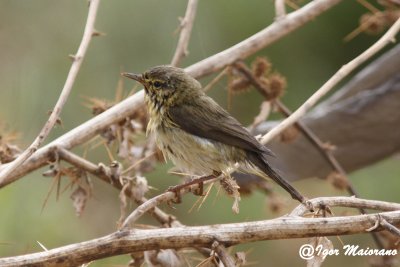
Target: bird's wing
214 123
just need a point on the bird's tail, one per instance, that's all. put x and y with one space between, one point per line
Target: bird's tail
261 162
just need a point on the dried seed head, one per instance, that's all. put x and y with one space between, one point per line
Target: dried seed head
289 134
79 198
373 23
8 150
232 189
97 105
339 181
275 202
239 85
261 66
277 84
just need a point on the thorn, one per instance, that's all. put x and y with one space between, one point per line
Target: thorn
72 57
96 33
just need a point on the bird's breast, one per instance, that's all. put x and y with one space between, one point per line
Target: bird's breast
190 153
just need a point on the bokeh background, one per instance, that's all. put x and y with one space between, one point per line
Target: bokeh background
36 38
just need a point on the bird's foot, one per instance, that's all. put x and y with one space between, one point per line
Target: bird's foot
198 191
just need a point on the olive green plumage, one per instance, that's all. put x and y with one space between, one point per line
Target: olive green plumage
197 134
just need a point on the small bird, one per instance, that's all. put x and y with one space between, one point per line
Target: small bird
195 133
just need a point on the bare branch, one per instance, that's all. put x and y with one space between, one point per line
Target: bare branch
186 29
280 9
147 206
157 200
223 255
388 226
308 133
125 241
345 70
348 202
359 119
101 173
55 114
265 37
89 129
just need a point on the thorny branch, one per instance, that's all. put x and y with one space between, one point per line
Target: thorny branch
263 38
308 133
55 114
101 172
221 236
292 226
89 129
165 197
345 70
280 9
224 256
186 29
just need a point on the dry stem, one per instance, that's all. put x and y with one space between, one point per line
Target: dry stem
55 114
223 255
101 173
126 241
157 200
89 129
345 70
265 37
280 9
186 29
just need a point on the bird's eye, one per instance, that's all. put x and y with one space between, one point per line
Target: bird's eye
157 84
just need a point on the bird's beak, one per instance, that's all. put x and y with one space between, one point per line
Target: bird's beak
136 77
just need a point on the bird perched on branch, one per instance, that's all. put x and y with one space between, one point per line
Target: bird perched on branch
198 135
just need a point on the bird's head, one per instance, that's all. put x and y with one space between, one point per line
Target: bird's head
167 85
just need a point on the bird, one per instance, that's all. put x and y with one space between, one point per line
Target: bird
199 136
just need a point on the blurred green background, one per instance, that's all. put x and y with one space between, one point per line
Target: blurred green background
36 38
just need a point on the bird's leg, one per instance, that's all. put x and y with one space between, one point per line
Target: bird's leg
200 181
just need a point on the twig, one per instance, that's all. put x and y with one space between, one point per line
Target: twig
388 226
335 79
157 200
55 114
328 155
147 206
215 80
280 9
348 202
186 29
265 37
101 173
308 133
223 255
89 129
126 241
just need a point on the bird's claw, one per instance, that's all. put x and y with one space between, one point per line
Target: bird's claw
177 190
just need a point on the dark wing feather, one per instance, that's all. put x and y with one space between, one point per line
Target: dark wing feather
214 123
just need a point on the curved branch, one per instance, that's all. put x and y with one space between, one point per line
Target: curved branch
387 38
186 29
55 114
360 120
102 174
348 202
261 39
89 129
125 241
